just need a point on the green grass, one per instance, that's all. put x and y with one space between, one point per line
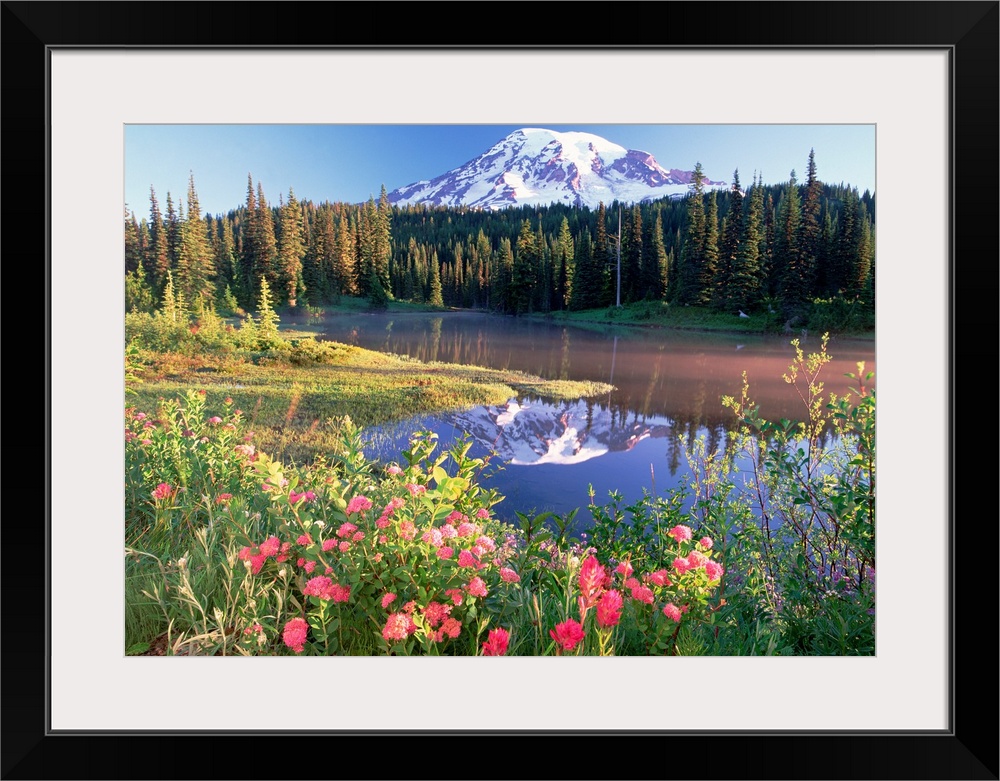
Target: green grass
659 314
294 408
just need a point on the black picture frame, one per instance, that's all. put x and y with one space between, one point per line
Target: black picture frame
967 750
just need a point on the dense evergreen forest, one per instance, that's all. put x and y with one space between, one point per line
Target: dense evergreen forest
774 247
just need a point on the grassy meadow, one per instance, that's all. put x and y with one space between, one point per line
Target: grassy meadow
255 524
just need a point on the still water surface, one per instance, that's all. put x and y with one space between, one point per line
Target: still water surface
668 390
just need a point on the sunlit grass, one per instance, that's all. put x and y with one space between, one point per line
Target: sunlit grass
294 408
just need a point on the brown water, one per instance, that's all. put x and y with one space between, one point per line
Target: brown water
668 389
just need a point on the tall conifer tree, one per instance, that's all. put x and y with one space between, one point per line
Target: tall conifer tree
291 250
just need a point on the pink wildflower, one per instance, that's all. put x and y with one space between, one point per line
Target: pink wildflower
477 587
346 530
680 533
451 627
309 566
245 553
304 539
592 577
466 559
294 634
416 490
162 491
567 634
482 513
407 530
682 565
215 419
486 543
340 593
444 552
394 504
318 587
396 627
697 559
433 537
706 543
455 517
456 595
624 569
496 642
359 504
609 608
467 529
344 546
271 546
383 521
643 594
358 536
671 611
714 570
394 470
660 578
507 575
435 613
448 532
257 563
140 416
388 599
631 583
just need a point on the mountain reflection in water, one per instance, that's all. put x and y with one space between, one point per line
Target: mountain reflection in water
668 391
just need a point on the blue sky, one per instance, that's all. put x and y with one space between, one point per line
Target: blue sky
352 162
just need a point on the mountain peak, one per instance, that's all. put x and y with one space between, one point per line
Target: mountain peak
537 166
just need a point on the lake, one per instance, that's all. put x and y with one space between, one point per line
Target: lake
668 390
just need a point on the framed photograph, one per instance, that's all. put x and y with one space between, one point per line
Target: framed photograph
923 74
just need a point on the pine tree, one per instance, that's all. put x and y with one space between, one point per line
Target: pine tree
587 282
139 296
729 245
690 273
861 283
811 228
526 261
567 265
173 228
291 250
133 252
382 254
792 285
436 298
246 278
710 252
367 244
265 243
172 306
654 260
267 319
195 264
743 292
347 256
158 256
632 256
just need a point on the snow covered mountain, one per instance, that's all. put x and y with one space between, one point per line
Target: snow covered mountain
531 433
538 167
